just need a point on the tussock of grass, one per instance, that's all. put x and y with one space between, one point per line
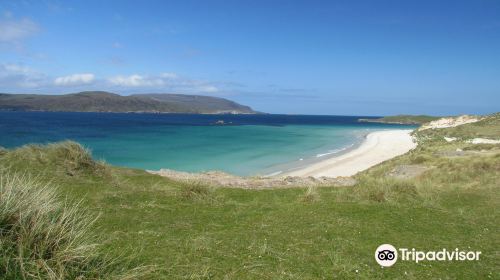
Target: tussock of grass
418 159
76 157
383 189
68 156
197 192
469 168
480 147
41 237
311 195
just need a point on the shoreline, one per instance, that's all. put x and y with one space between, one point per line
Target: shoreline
377 147
283 169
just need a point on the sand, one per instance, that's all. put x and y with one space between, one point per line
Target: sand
484 141
378 147
450 122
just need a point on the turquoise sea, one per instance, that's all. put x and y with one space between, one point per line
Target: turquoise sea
243 145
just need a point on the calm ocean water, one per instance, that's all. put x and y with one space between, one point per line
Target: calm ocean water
245 145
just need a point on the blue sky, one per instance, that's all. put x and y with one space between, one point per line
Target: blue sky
300 57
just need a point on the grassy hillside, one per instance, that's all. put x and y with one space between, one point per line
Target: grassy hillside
46 236
198 103
431 198
99 101
487 128
402 119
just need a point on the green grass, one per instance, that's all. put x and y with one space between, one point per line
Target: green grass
44 237
486 128
197 232
404 119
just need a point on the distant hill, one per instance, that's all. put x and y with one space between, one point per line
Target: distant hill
402 119
101 101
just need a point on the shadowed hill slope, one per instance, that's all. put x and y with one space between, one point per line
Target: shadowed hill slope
198 103
100 101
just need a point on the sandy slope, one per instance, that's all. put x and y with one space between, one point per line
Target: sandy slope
378 147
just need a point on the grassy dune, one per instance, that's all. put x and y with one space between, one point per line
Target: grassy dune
45 237
195 232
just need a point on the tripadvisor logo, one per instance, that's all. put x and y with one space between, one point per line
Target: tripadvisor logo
386 255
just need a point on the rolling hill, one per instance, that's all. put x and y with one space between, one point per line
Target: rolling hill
101 101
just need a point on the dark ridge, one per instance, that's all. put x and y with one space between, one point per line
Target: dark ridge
102 101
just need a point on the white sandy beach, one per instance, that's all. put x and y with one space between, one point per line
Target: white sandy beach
378 146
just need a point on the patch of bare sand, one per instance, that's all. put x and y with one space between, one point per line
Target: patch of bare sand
222 179
450 122
407 171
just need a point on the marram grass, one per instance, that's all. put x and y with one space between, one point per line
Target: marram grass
45 237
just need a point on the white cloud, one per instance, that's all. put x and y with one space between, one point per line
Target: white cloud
19 76
15 76
15 68
75 79
136 81
15 30
166 81
208 89
168 75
